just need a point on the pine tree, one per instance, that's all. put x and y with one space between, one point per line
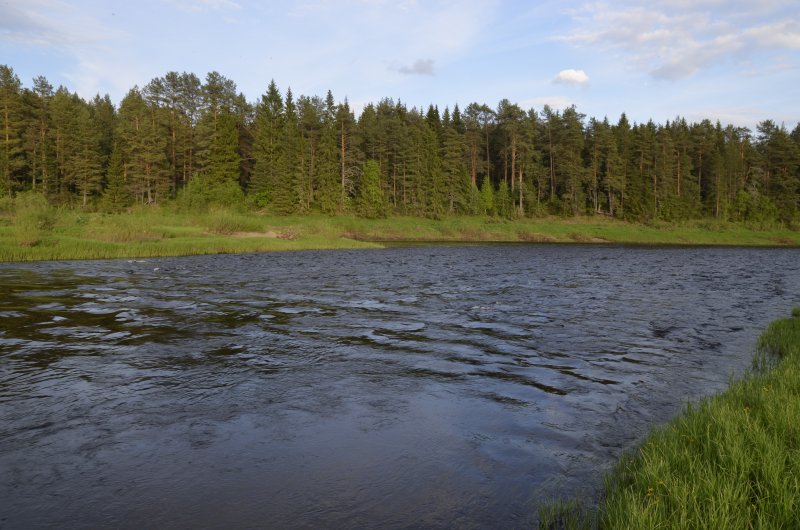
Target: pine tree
104 117
349 153
311 115
510 117
116 196
781 163
551 126
42 162
472 136
244 113
570 170
307 154
188 95
704 143
64 108
12 156
622 133
454 172
529 165
611 168
85 163
218 132
432 190
143 149
178 99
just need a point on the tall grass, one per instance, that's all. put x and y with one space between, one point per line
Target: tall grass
227 223
124 229
731 461
36 231
33 217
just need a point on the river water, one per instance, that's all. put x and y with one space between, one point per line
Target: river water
407 387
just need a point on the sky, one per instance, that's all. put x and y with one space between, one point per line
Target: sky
736 61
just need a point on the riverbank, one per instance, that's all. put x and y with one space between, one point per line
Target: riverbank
731 461
57 235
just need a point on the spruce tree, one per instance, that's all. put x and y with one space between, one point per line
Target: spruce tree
503 205
371 202
287 193
222 163
327 166
268 135
487 197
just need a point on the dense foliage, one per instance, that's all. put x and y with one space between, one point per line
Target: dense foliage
178 138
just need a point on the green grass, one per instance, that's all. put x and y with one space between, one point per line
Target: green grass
155 232
731 461
570 514
39 233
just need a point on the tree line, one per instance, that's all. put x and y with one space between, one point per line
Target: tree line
201 142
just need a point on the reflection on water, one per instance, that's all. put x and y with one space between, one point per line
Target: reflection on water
434 387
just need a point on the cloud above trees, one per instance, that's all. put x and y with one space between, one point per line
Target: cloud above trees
571 77
676 39
420 67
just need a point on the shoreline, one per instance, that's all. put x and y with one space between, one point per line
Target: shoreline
161 233
728 461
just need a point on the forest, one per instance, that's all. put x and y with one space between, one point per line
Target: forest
179 140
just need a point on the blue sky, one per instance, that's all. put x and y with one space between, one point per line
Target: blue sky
728 60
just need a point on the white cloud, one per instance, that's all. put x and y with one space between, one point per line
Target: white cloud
48 23
784 34
555 102
219 4
737 115
203 6
571 77
420 67
367 43
353 47
66 30
674 39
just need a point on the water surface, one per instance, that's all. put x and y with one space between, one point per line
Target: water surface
407 387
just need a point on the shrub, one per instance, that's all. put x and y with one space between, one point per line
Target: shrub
33 216
371 202
203 192
226 223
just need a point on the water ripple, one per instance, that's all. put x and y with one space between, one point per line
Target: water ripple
432 387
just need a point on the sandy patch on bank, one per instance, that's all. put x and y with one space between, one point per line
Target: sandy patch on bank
268 234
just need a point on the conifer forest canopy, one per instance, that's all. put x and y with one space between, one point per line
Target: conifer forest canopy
201 142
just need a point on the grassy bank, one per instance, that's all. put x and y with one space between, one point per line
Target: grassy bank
39 233
731 461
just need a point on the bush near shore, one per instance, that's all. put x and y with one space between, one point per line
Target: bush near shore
730 461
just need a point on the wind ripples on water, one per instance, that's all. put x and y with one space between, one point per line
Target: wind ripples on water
451 386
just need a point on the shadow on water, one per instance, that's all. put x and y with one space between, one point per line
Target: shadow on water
444 387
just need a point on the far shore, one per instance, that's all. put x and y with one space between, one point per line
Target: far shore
161 232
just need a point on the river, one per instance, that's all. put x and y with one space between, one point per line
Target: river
431 387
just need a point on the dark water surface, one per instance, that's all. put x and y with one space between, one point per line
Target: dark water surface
408 387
